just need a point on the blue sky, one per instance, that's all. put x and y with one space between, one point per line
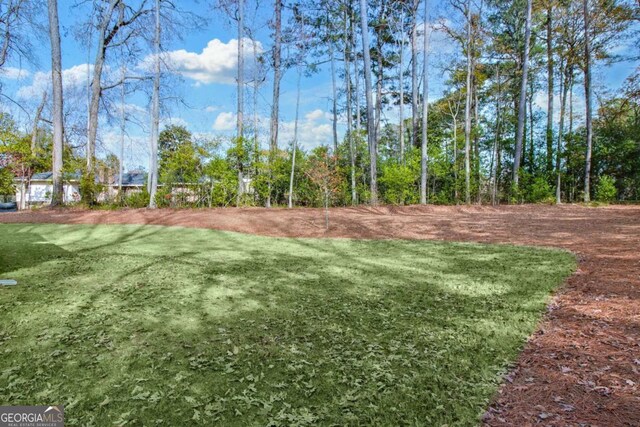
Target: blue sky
205 68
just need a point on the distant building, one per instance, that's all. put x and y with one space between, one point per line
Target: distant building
132 182
39 189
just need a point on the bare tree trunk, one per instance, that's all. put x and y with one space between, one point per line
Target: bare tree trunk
240 84
476 136
496 141
94 108
549 87
326 210
425 108
256 142
277 73
401 86
277 77
96 87
455 156
58 124
371 128
379 71
295 139
357 88
89 79
334 99
531 159
36 122
155 114
571 81
522 106
588 101
123 124
572 189
356 71
23 193
467 113
414 73
564 89
347 77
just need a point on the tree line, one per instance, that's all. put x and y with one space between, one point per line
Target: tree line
482 141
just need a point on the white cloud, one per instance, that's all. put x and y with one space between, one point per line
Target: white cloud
135 109
12 73
540 101
129 110
316 115
225 121
173 121
311 134
217 63
314 129
73 78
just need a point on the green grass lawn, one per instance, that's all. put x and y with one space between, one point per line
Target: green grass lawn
146 325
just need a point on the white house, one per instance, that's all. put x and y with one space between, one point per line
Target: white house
39 189
132 182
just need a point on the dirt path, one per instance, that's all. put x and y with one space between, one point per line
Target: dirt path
582 366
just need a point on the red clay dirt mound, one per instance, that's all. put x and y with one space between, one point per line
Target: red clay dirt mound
582 366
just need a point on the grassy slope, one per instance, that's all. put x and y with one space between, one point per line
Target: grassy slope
175 326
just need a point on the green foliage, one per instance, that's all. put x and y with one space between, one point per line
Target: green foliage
277 173
180 168
181 162
158 325
516 194
89 189
7 187
164 198
606 189
137 199
541 191
223 182
171 139
397 184
9 133
617 152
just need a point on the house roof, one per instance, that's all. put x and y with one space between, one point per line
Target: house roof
134 179
42 176
48 176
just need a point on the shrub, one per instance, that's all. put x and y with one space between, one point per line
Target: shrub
515 194
89 189
224 191
397 184
7 188
139 199
164 197
541 191
606 189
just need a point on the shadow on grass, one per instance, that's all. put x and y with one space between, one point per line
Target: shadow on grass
21 248
148 323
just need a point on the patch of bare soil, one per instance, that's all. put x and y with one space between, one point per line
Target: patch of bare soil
581 367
